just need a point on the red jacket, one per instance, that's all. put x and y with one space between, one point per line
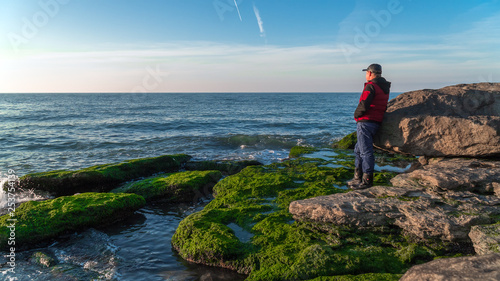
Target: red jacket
373 101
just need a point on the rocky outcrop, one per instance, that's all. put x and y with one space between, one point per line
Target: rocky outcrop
294 221
484 268
247 227
454 174
454 203
460 120
441 201
101 177
421 213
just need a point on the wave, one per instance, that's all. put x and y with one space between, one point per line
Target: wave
19 197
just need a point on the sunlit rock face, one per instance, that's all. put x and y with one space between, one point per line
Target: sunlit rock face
460 120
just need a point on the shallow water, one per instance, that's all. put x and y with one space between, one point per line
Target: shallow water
138 248
43 132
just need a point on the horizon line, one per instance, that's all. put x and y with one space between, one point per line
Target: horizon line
210 92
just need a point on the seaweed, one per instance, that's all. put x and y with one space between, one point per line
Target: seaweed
36 221
280 248
99 178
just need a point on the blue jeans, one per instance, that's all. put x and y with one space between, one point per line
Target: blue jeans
365 160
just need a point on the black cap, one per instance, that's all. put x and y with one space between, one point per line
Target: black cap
374 68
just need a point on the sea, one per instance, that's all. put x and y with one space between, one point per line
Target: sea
44 132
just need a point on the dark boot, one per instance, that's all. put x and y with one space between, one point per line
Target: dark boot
366 182
358 174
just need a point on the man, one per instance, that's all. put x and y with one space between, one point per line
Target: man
369 115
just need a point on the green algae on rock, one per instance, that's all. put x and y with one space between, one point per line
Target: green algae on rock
101 177
42 259
175 187
347 142
248 228
227 167
36 221
298 151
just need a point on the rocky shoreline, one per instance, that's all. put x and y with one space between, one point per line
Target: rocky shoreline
446 207
296 220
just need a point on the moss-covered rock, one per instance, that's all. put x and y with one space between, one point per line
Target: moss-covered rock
101 177
298 151
176 187
35 221
227 167
248 228
347 142
42 259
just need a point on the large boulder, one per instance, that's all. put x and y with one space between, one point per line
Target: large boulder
460 120
485 268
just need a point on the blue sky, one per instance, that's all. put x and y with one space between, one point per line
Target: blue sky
243 45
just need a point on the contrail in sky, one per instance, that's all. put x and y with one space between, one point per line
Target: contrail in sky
259 21
237 9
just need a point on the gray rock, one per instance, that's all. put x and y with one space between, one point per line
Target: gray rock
454 174
42 259
424 214
484 268
486 238
460 120
363 208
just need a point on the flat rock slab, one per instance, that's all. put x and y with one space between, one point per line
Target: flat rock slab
484 268
455 174
424 214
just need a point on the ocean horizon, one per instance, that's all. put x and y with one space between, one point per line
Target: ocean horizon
43 132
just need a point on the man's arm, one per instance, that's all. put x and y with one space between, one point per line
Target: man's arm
366 101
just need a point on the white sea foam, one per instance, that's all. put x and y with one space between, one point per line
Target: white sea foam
20 196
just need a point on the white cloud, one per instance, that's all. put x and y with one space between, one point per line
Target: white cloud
410 62
192 67
237 9
259 21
